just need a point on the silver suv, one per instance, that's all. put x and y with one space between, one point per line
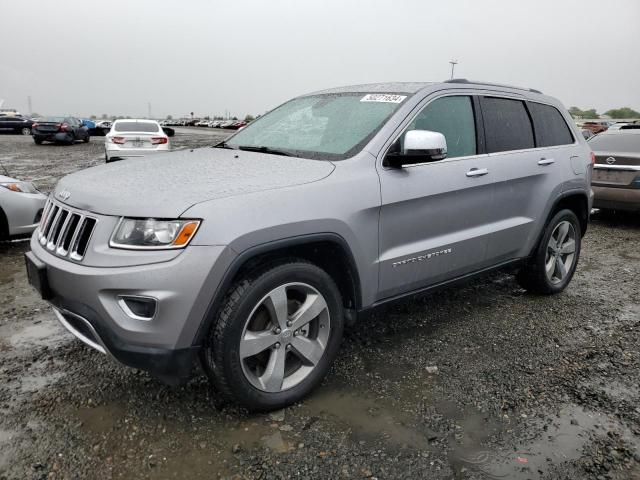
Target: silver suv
251 256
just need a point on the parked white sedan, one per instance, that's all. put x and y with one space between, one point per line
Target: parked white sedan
134 138
20 208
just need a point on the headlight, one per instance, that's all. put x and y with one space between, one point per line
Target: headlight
153 233
22 187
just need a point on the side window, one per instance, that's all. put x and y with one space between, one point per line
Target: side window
453 117
551 129
506 124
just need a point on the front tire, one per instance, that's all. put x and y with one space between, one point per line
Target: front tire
554 262
25 131
275 336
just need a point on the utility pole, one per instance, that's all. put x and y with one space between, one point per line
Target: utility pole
453 65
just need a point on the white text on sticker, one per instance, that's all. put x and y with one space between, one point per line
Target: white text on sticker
383 97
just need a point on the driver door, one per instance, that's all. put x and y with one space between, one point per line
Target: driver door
435 216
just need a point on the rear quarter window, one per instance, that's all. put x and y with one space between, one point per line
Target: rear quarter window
507 124
550 127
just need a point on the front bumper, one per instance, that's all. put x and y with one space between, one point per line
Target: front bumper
86 300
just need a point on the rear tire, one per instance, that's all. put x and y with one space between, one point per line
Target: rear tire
552 265
72 141
38 141
4 226
296 356
87 138
25 131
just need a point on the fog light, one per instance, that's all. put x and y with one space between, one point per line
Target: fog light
138 307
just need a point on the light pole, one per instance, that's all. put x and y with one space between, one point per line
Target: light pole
453 65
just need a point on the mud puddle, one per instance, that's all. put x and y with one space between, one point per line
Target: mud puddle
130 443
365 419
6 437
43 330
563 440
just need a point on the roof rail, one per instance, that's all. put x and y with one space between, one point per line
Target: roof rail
464 80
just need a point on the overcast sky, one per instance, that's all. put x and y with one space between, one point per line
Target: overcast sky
246 56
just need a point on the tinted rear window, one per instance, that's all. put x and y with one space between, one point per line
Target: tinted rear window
52 119
135 127
507 125
550 127
616 142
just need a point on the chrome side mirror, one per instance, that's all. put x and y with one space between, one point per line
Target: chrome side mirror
419 146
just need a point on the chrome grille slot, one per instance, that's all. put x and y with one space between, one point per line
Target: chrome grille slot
51 226
64 231
81 242
56 229
68 234
43 219
45 212
47 224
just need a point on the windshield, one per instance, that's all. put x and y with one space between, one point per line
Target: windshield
325 127
135 127
618 142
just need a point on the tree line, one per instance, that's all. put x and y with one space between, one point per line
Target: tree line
624 112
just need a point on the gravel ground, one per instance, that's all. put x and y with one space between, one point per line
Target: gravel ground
478 382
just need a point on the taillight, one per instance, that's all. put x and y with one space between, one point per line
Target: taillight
35 125
159 140
63 127
593 158
118 140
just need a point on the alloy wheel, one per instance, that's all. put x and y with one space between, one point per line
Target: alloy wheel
285 337
561 251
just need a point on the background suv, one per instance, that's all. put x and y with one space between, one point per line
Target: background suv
252 256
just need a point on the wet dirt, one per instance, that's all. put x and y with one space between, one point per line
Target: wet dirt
484 381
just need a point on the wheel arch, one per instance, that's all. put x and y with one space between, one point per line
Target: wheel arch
577 202
328 251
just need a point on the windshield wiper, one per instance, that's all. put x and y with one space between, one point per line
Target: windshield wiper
222 145
251 148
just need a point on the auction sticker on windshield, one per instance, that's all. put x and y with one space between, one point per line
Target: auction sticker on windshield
383 97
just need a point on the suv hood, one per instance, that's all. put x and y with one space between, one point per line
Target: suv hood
165 185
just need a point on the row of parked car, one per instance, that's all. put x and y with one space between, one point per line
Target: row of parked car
25 125
591 128
228 124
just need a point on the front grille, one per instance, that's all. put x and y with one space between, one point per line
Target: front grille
65 232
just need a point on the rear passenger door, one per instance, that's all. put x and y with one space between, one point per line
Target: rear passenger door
527 146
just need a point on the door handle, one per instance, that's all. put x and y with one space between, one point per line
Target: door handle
546 161
477 172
